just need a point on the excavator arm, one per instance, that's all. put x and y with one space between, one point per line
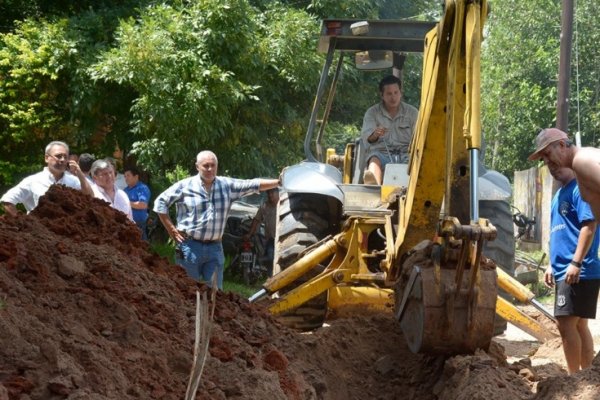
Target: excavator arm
447 304
448 133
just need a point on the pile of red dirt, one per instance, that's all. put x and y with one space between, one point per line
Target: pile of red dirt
88 312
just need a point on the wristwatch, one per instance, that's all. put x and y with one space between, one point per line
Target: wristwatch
576 264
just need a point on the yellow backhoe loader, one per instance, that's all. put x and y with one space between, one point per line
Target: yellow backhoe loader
417 244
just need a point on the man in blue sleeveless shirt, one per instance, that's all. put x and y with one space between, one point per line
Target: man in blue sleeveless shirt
575 268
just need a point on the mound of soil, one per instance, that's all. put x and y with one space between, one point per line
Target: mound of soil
88 312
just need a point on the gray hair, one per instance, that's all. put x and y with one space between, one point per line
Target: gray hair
206 154
100 164
56 143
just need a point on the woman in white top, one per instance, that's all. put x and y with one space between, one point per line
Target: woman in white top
104 187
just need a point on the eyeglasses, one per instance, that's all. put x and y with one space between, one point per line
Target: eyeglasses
59 156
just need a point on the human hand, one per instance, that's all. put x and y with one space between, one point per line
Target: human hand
572 275
175 234
280 177
548 278
380 131
73 167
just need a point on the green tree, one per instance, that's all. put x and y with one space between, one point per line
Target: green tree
215 74
31 99
46 94
519 78
519 70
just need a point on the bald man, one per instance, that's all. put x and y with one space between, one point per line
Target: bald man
202 203
554 147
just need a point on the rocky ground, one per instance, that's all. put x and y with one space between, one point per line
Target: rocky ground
87 312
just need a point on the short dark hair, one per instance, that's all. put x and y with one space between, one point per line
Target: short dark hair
389 80
85 161
134 171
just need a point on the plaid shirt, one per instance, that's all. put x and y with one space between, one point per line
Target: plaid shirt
200 214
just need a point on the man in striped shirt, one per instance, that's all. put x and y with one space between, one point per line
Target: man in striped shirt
202 203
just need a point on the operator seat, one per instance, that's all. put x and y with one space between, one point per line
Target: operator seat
360 154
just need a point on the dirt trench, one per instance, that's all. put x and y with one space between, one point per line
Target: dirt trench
87 312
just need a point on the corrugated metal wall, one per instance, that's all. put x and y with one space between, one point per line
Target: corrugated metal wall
532 194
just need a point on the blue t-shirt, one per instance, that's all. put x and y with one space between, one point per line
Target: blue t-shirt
139 192
567 214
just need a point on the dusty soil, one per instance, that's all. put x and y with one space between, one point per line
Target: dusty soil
87 312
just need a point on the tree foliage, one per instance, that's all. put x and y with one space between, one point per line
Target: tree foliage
164 80
519 77
214 74
46 94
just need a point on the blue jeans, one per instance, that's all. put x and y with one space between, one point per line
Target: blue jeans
143 227
202 260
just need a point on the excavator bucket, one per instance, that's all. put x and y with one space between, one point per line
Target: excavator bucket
444 322
441 317
446 294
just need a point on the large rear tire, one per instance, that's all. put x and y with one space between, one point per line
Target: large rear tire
501 250
302 222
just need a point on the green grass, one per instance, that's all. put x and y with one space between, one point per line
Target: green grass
542 293
235 285
229 285
240 288
164 250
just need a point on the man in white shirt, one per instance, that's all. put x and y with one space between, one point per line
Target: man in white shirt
30 189
105 189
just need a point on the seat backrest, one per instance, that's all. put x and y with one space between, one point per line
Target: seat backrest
360 150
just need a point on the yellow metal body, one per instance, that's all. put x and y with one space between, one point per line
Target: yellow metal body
516 317
347 300
348 264
302 266
448 127
514 287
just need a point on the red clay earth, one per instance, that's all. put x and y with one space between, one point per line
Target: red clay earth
88 312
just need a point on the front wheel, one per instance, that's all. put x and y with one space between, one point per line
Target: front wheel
301 223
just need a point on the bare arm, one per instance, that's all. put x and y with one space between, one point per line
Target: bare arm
171 229
86 188
586 165
10 208
549 277
252 230
255 222
139 205
584 242
266 184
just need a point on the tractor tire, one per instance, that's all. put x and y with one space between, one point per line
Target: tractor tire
301 223
501 250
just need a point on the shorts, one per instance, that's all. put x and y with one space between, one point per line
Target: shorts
578 300
387 158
